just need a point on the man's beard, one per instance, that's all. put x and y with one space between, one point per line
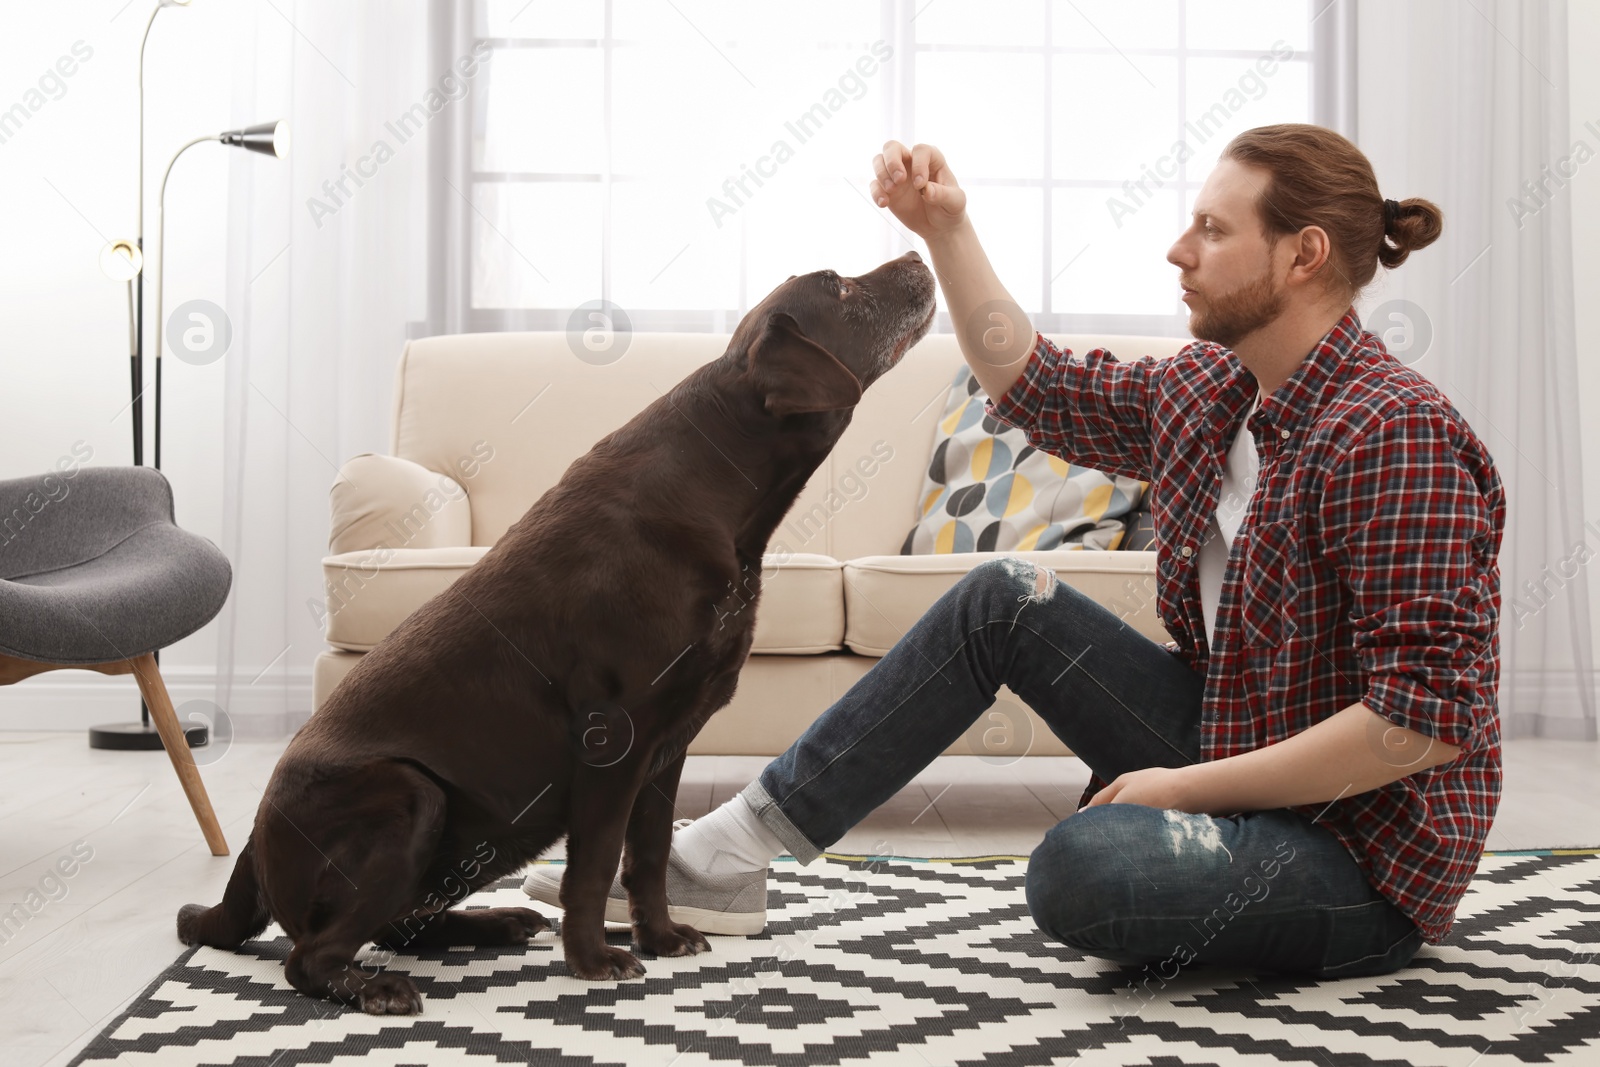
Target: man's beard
1228 319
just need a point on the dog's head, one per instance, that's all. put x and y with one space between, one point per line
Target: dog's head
819 340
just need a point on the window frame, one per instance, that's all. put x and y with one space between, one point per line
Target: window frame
1330 53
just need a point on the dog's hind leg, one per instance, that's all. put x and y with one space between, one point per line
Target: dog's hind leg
367 869
239 917
644 869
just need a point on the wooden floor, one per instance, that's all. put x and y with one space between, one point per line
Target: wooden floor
119 822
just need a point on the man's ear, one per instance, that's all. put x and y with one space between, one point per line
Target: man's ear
795 374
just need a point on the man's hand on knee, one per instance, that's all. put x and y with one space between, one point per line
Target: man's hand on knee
1155 787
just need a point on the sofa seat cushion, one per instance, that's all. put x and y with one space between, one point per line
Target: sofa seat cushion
370 592
802 605
886 595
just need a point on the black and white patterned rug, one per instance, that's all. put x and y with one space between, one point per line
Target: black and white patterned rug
917 962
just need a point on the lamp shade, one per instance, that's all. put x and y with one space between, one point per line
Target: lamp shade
121 260
268 138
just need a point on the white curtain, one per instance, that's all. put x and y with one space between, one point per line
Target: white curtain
327 264
1463 103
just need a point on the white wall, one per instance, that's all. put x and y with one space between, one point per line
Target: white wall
68 185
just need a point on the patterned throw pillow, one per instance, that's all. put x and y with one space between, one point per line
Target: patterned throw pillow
1141 536
988 490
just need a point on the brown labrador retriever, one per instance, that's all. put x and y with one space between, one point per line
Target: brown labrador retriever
554 687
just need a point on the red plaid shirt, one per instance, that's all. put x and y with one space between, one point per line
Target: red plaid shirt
1365 570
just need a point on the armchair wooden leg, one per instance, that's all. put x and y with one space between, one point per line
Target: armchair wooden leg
177 746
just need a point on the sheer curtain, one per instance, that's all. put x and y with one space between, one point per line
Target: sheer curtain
1463 103
328 261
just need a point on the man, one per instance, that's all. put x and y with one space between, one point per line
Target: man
1303 779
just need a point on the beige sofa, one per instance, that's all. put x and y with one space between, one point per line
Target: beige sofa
485 423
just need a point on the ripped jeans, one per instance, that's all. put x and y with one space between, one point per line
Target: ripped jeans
1126 882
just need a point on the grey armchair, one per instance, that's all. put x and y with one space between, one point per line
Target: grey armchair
94 574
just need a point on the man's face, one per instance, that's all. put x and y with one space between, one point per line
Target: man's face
1225 261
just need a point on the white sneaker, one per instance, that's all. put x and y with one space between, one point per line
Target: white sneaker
711 903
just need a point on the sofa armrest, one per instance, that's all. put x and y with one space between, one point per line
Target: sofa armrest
389 502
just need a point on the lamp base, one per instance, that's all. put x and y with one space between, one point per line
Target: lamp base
137 737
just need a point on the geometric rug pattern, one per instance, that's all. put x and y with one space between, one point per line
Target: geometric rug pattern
891 960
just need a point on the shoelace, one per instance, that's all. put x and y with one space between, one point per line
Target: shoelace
679 824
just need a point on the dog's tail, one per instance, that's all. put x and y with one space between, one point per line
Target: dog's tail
241 915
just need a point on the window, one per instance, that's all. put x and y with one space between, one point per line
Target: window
681 159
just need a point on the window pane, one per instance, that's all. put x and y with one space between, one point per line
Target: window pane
1122 271
1111 119
667 251
544 111
1228 96
821 22
540 18
535 244
822 117
765 119
700 28
660 132
816 225
992 131
824 103
679 24
1114 23
1252 24
992 22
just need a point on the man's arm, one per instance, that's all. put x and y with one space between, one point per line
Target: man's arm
1093 411
919 187
1341 756
1412 528
995 334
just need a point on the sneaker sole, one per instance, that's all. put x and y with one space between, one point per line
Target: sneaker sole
733 923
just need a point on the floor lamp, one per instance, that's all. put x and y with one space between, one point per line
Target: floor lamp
123 260
268 138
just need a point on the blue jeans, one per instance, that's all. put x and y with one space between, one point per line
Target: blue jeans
1130 883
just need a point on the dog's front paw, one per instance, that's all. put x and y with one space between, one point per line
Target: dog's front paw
390 994
607 965
676 939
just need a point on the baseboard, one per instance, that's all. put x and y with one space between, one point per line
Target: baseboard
275 707
1555 707
269 708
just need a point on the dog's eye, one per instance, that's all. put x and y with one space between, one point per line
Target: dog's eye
832 278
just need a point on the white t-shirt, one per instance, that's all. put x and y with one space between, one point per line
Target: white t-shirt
1238 486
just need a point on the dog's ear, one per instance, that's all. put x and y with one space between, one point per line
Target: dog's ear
795 374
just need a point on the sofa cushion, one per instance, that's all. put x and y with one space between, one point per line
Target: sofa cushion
885 595
986 489
370 592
